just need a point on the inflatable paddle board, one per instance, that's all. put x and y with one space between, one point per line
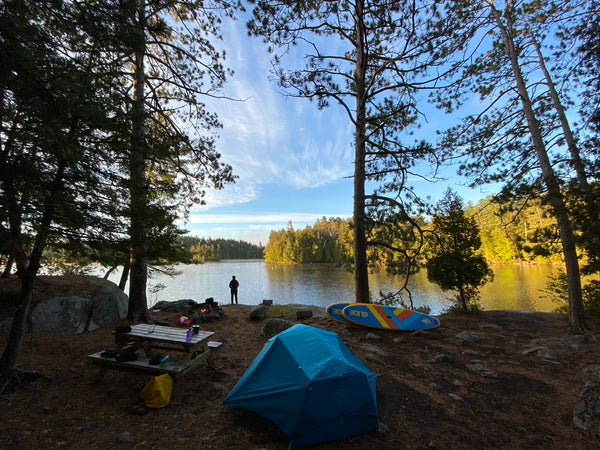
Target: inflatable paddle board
334 311
388 317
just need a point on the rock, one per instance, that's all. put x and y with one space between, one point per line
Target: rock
480 368
491 325
97 303
94 426
580 347
445 358
548 353
583 338
275 326
374 358
458 383
553 343
473 352
424 334
372 337
586 415
468 336
435 387
127 438
259 312
593 370
218 388
373 349
303 314
533 350
456 397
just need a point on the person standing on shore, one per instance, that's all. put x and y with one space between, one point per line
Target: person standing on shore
233 285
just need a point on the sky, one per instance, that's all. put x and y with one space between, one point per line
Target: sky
293 161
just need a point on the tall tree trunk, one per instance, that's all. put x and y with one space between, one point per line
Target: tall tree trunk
361 274
138 304
555 197
28 275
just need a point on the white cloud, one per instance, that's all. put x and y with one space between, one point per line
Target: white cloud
232 195
269 138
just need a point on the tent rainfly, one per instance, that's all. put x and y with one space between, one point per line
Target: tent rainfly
307 382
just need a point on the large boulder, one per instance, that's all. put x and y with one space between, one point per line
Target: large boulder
275 326
75 305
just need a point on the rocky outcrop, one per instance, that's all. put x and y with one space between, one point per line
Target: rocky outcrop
85 305
586 414
259 312
275 326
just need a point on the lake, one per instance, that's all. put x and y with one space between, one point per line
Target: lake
515 287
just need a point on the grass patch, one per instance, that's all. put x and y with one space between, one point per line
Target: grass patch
281 311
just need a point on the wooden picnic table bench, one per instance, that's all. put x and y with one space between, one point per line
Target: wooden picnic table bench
152 340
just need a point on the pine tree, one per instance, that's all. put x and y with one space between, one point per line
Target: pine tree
510 141
455 263
369 58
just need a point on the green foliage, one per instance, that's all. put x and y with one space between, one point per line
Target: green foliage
282 312
393 299
197 250
453 263
325 242
56 159
591 298
583 203
557 290
457 308
517 231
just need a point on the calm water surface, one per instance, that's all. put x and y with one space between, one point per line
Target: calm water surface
515 287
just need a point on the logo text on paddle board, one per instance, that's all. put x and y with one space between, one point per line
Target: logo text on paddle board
359 313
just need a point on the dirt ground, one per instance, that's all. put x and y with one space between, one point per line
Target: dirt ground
430 393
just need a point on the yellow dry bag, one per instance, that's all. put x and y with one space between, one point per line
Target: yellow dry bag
157 393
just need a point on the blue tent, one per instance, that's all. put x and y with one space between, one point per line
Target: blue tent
307 382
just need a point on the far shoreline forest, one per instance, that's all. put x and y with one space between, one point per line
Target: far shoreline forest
511 233
197 250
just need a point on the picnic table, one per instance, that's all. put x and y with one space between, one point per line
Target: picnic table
151 340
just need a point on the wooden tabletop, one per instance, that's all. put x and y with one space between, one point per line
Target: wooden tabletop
161 333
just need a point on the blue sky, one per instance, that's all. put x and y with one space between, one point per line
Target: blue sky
293 162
